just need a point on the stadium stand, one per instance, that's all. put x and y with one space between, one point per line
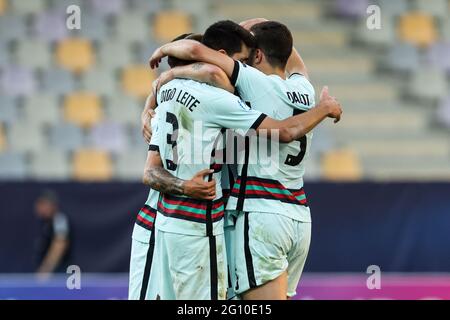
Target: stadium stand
92 165
83 109
79 87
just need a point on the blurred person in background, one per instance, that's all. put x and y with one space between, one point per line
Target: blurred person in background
53 245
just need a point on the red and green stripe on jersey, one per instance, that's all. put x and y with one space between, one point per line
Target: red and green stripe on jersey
190 209
259 188
146 217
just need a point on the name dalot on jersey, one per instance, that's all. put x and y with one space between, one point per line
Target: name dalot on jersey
296 97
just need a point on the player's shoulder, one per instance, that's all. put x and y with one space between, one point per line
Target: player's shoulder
299 80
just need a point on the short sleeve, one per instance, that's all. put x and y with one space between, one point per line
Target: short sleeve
156 134
61 226
232 113
246 79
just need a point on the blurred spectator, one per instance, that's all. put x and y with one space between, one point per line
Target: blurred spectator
53 245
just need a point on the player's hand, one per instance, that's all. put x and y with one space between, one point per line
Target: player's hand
165 77
146 128
156 58
198 188
333 106
146 117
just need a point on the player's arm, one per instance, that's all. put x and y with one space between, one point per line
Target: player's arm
199 71
54 255
146 116
192 50
158 178
296 64
297 126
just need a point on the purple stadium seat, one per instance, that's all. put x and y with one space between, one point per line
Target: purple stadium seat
439 55
17 81
108 136
51 25
351 8
403 57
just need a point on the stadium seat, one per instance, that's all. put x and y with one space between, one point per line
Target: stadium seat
114 54
403 57
61 5
94 26
17 81
9 112
76 55
341 165
443 112
136 139
153 6
3 7
92 165
170 24
439 55
382 37
114 7
26 7
2 138
99 80
391 8
4 54
12 27
418 29
58 81
49 26
33 54
66 137
130 164
12 166
137 80
123 109
42 109
431 78
50 164
351 8
108 136
437 8
25 136
193 7
133 26
83 109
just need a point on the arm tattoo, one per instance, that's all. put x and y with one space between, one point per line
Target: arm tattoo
197 66
163 181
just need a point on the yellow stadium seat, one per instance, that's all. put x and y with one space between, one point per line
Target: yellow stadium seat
2 138
137 80
418 29
83 109
92 165
76 55
341 165
3 6
170 24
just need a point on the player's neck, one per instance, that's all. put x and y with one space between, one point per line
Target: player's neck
269 70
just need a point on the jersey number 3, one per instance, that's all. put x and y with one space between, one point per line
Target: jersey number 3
172 140
292 160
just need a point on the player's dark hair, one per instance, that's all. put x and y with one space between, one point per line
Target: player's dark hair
175 62
275 40
229 36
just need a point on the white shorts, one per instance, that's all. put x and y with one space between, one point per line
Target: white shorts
266 245
191 267
143 282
